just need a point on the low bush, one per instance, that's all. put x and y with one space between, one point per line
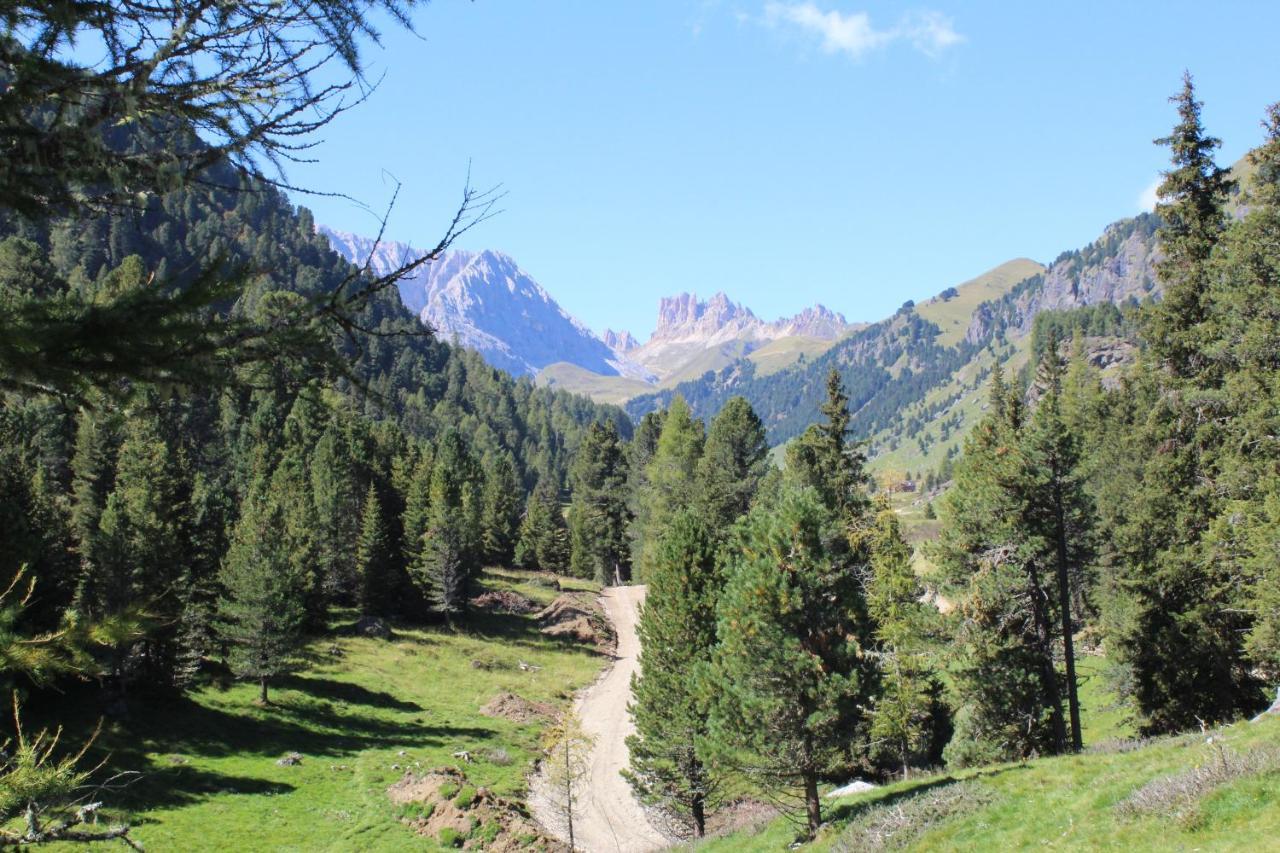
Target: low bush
895 824
1178 796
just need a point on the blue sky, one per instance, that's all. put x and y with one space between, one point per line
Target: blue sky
849 153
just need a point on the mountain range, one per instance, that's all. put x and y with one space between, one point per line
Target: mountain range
486 302
916 380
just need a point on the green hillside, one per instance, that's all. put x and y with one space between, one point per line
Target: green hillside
784 352
563 376
363 713
951 313
1215 791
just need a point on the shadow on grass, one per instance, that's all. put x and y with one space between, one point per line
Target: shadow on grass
182 731
846 812
343 691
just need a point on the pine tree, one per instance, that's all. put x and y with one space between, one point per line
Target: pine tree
906 711
670 479
335 494
373 558
1007 686
543 542
598 515
262 613
734 462
788 676
824 458
1176 627
1059 515
450 545
677 628
501 511
1192 196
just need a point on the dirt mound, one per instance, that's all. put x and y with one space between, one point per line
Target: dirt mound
504 601
576 615
509 706
442 806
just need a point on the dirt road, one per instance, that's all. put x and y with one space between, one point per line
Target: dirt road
610 818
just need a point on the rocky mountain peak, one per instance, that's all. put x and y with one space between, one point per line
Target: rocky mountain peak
622 341
684 316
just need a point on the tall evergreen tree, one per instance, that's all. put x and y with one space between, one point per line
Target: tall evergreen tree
500 517
598 515
262 612
906 714
450 547
669 763
733 464
789 676
1009 690
373 558
1191 199
336 496
1058 513
543 542
824 458
670 479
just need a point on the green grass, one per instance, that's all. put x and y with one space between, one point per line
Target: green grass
564 376
952 316
1069 803
784 352
208 760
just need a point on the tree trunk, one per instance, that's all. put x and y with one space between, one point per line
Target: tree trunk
1048 672
1068 644
698 807
263 696
813 806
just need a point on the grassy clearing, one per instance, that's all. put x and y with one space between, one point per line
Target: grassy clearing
361 713
1072 803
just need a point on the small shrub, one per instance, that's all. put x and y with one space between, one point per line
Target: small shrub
894 825
488 833
448 789
450 837
1178 796
416 810
498 757
465 797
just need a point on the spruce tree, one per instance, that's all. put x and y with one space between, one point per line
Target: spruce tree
1058 515
450 553
1191 199
500 518
1003 623
906 709
373 558
262 612
824 458
734 462
788 675
543 543
598 515
644 443
677 628
336 496
670 479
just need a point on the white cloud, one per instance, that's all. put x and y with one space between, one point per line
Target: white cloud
853 33
1147 200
